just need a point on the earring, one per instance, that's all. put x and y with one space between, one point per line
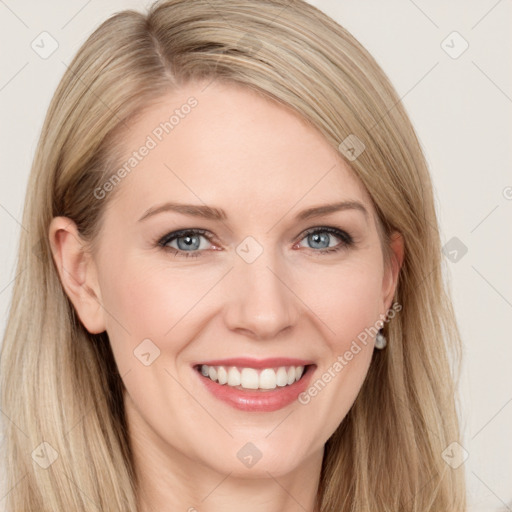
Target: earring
380 341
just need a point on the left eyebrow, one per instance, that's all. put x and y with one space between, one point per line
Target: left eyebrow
317 211
209 212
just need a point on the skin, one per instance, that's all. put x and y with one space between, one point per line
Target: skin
262 164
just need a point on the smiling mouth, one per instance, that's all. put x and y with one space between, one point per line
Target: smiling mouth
246 378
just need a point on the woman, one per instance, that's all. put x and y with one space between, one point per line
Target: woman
231 287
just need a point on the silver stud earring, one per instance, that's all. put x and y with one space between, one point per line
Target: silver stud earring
380 341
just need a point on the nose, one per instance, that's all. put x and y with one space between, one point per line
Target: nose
261 300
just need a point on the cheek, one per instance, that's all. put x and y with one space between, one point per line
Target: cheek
349 309
143 302
148 297
350 301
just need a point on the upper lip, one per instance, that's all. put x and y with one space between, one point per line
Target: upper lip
247 362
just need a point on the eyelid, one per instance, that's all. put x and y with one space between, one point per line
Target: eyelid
338 232
172 235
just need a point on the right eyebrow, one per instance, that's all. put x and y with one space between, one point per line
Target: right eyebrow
195 210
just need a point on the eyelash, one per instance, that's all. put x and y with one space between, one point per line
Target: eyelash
346 239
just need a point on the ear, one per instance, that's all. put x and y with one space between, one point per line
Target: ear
390 280
77 273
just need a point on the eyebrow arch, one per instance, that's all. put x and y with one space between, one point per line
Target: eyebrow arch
195 210
317 211
209 212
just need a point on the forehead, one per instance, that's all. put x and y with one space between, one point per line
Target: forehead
227 145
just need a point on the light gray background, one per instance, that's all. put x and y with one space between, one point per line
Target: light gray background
461 108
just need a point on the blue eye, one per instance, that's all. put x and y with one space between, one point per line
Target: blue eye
321 236
189 241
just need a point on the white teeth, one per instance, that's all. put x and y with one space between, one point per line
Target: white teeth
222 375
268 379
250 378
282 377
233 377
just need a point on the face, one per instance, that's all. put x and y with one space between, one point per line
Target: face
244 273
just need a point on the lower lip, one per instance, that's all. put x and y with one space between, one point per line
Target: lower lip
258 401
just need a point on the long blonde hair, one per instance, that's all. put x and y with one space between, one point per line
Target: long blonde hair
59 383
